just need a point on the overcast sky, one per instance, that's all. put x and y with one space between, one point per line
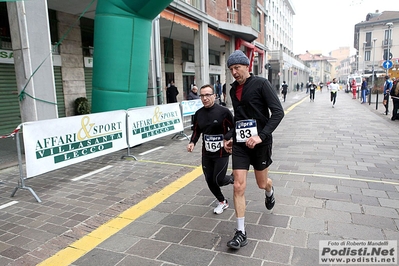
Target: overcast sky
327 25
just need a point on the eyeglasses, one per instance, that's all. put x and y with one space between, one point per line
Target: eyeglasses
205 95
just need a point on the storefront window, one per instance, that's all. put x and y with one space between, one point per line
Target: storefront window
87 31
187 52
168 50
214 58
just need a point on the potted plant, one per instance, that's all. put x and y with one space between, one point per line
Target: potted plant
82 106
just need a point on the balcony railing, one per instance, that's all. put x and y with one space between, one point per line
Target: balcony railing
387 42
194 3
231 16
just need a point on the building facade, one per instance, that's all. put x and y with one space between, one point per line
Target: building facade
375 43
190 43
320 66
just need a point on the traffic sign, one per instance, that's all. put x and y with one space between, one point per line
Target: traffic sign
387 64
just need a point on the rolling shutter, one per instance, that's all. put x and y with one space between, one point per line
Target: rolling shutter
89 83
59 91
10 116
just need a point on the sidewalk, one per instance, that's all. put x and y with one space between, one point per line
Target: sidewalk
335 173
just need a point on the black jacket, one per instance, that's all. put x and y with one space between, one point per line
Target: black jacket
212 121
260 102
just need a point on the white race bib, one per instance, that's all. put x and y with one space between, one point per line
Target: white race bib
213 143
246 129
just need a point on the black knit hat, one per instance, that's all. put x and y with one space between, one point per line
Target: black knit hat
237 57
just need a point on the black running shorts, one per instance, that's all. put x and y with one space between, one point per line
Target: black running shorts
259 157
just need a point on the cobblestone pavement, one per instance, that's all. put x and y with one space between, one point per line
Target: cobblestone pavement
335 173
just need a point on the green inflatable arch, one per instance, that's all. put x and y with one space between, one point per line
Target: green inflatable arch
122 50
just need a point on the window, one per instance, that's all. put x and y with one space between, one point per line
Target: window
168 50
53 25
368 39
214 57
367 55
87 32
255 16
187 52
234 4
387 37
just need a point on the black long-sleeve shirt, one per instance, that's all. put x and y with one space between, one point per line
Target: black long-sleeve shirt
215 120
260 102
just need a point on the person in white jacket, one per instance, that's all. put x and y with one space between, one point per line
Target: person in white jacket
334 88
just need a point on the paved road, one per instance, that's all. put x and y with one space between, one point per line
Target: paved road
335 173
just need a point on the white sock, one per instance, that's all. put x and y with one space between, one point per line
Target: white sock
269 193
240 224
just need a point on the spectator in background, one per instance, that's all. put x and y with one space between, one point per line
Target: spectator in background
284 90
192 95
218 90
387 88
354 88
395 101
224 93
364 90
171 93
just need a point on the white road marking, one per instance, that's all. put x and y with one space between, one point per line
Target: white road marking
155 149
8 204
91 173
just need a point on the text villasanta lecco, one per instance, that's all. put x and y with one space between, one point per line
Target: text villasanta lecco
158 124
90 138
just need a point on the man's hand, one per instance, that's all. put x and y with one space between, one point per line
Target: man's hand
190 147
252 141
228 145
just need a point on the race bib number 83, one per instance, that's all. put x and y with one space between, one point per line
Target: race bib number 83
245 129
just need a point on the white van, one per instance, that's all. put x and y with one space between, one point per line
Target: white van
349 82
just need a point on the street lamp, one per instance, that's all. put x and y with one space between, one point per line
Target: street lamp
364 57
372 77
389 24
386 96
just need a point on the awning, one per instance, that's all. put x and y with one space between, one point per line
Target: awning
180 19
239 31
250 51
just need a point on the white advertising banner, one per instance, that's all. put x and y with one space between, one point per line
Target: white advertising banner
190 107
153 122
55 143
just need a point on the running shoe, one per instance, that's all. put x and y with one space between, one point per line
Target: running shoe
239 240
221 207
269 201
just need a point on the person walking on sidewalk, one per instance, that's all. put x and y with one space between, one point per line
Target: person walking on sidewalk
364 90
312 90
257 113
387 88
354 88
213 121
284 90
171 93
334 88
395 101
192 95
